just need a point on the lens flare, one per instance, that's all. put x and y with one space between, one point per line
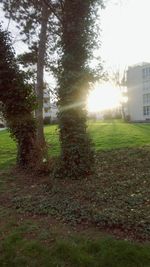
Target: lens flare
103 97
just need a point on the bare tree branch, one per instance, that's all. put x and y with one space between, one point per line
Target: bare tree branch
52 9
7 28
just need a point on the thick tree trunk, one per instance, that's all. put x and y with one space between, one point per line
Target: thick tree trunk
28 154
17 106
76 153
40 71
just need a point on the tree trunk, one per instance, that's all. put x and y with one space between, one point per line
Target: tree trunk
17 105
76 153
40 72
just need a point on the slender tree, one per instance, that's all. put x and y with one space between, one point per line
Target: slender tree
40 69
74 79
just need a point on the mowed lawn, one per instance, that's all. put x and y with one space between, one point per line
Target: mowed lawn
105 135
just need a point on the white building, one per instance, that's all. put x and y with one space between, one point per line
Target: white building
46 105
138 86
53 111
50 109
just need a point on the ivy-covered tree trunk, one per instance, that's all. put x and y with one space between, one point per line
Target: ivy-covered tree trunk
76 152
40 70
18 103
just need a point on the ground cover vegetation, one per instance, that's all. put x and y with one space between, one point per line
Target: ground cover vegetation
117 198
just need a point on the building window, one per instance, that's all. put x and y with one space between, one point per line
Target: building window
146 85
146 99
146 110
146 72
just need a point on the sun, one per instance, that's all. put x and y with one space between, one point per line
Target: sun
103 97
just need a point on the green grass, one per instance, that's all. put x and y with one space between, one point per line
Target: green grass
116 134
74 252
7 150
105 136
52 138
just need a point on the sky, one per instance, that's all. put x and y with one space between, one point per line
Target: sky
125 33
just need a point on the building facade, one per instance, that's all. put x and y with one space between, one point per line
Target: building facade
138 87
46 105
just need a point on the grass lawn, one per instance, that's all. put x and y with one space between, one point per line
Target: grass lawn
105 136
102 221
7 150
115 134
74 252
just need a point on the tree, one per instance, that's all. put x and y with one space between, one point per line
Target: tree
17 104
40 70
32 19
77 41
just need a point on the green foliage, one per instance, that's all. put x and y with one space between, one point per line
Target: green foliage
28 16
18 102
19 12
77 157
